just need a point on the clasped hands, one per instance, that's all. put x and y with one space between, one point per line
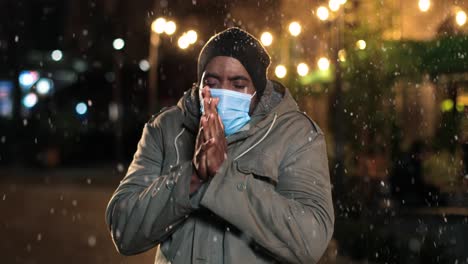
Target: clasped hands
210 145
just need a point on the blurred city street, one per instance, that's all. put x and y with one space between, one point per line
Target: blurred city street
58 217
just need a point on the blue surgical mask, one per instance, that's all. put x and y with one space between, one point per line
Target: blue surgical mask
233 108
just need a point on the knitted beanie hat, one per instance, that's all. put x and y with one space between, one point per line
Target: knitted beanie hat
239 44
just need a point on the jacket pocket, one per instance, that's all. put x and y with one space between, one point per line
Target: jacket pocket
262 166
179 244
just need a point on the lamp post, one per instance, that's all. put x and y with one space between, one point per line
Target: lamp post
153 67
291 56
158 27
115 108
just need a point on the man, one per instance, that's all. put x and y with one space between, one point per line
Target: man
233 174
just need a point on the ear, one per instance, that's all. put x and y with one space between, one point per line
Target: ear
253 104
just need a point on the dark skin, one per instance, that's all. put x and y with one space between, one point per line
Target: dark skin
211 145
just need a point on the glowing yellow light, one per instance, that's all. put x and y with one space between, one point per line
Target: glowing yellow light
295 29
192 36
334 5
342 2
361 44
170 27
266 38
460 18
158 25
463 99
323 64
302 69
322 13
424 5
183 42
280 71
342 55
446 105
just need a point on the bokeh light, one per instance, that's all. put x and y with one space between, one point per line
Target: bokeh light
158 25
334 5
266 38
424 5
28 78
342 55
56 55
322 13
118 44
192 36
44 86
280 71
460 18
81 108
170 27
302 69
144 65
183 42
295 29
361 44
30 100
323 63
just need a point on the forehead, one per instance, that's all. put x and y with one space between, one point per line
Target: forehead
226 66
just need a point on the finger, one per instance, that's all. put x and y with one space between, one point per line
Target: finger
201 159
216 132
200 138
215 103
206 128
203 169
212 122
207 144
207 91
203 96
207 100
221 123
203 91
211 105
207 104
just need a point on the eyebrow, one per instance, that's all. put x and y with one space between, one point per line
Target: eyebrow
233 78
211 75
239 77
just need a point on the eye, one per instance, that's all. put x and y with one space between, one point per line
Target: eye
240 85
211 82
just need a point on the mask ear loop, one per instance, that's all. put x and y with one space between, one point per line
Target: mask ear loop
200 87
253 95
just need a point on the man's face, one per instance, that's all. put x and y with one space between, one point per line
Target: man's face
228 73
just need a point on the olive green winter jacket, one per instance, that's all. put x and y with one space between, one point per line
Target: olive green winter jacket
270 201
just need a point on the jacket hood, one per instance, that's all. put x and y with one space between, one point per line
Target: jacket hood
276 99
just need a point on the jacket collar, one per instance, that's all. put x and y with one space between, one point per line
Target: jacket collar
190 106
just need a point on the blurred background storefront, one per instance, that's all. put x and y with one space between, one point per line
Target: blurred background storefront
387 81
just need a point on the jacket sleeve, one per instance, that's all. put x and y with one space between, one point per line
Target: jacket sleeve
147 206
292 221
